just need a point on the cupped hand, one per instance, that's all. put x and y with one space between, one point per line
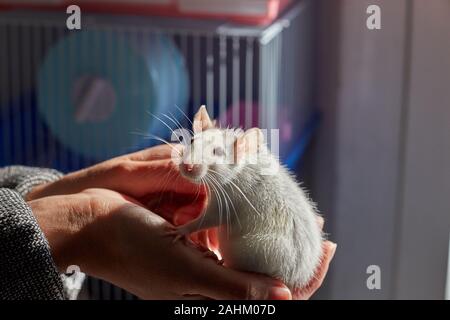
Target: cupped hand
150 176
112 237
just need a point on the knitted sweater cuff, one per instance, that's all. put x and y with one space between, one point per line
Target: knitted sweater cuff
27 270
23 179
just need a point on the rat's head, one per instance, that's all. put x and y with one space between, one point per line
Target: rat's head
216 155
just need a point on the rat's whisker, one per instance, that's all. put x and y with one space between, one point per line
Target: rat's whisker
210 189
227 210
218 195
227 197
238 189
164 183
177 124
154 137
180 126
225 193
185 115
197 193
228 202
141 134
164 123
219 199
234 208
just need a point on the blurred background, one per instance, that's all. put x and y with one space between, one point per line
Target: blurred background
363 115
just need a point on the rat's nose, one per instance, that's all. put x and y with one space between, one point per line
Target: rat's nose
192 168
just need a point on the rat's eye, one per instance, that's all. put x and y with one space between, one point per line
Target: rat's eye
218 151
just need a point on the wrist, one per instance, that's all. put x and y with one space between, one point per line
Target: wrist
70 226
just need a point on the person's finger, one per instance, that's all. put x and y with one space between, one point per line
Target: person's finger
173 199
206 239
213 239
320 222
176 208
109 195
218 282
159 152
194 237
329 249
193 240
161 176
203 239
175 213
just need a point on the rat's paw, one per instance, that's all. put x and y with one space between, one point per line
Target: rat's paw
176 232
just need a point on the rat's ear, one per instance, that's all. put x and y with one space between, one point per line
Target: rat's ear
202 121
248 143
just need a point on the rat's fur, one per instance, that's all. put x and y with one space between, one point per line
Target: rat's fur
270 225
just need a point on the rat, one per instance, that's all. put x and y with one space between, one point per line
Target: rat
269 225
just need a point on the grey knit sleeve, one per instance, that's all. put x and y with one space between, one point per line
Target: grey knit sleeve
27 270
22 179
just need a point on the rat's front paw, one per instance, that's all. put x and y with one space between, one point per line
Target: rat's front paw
176 232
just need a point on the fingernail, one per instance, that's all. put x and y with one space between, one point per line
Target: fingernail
279 293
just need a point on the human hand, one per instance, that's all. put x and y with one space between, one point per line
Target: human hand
153 179
110 236
150 176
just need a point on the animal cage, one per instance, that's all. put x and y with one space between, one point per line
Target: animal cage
71 98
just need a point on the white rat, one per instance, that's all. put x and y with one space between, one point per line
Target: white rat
270 226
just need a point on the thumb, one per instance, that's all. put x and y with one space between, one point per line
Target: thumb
222 283
188 213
